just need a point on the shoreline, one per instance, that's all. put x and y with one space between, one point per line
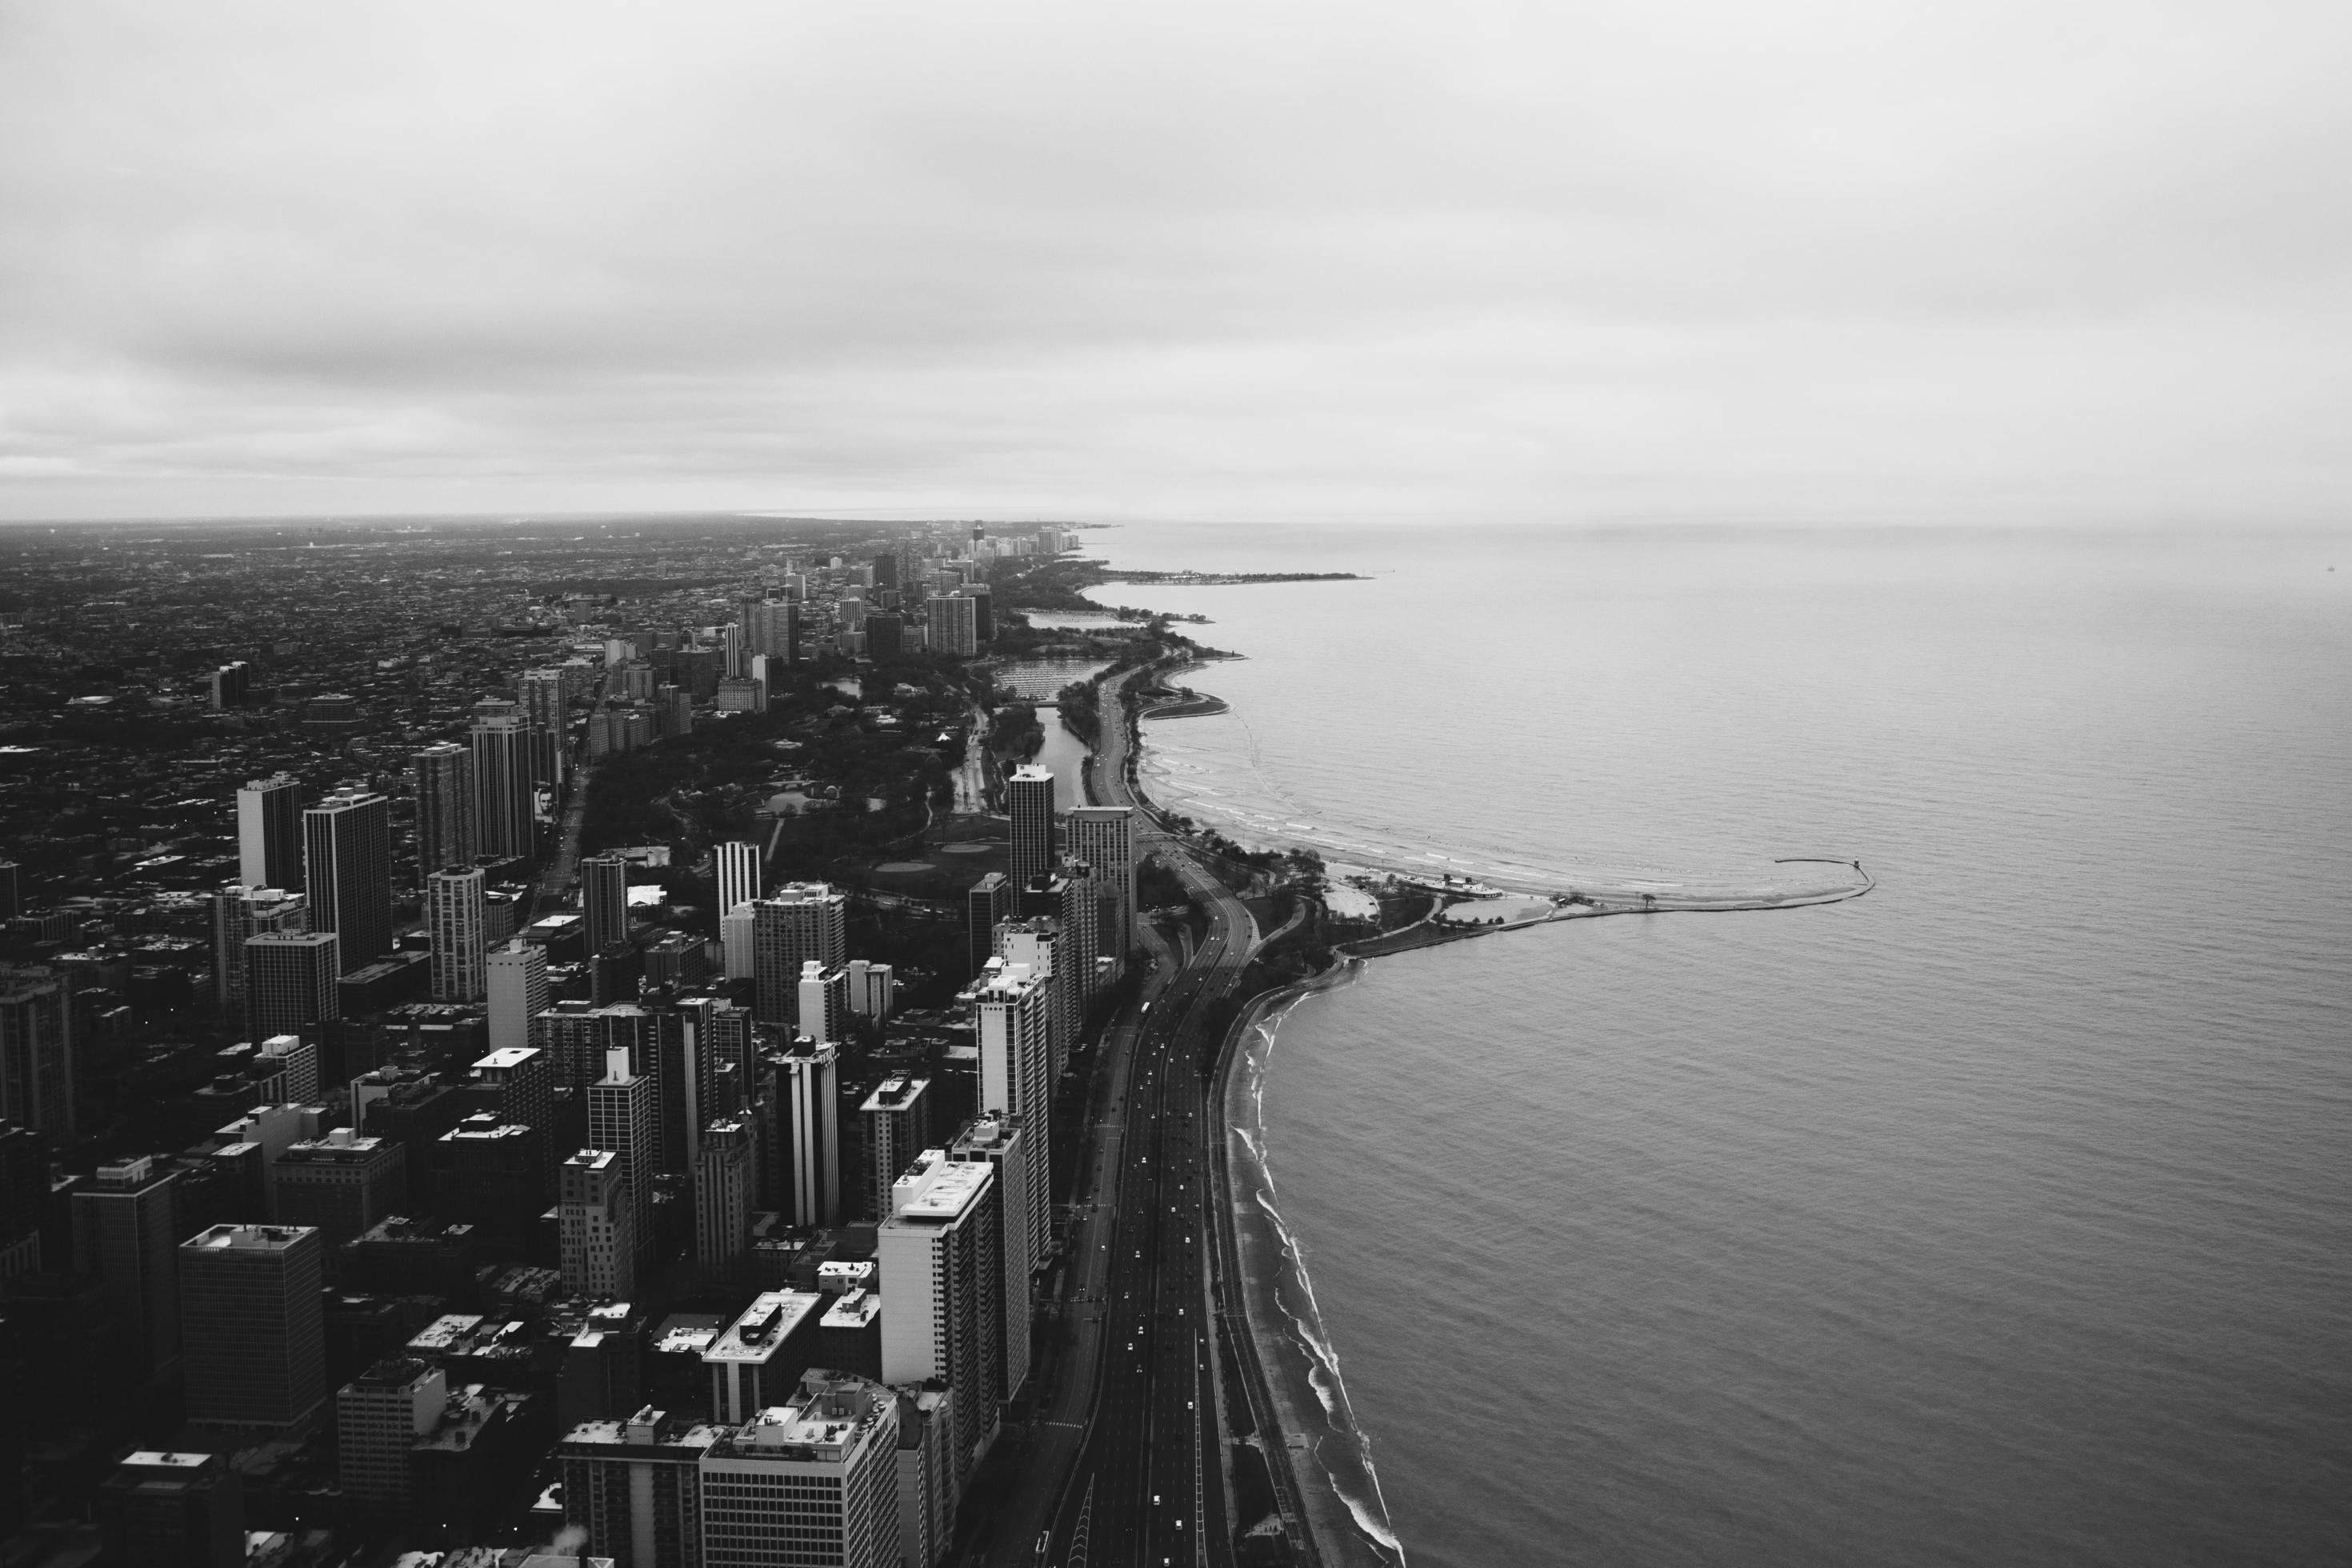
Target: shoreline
1340 1510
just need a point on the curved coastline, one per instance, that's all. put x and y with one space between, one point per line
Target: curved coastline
1291 1364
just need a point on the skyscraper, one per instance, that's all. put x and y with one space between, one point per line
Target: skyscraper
505 806
885 638
1024 1212
739 874
379 1416
1029 797
125 1233
517 978
253 1326
1012 1023
446 837
39 1080
624 1120
239 911
289 982
597 1225
954 625
988 901
724 1178
347 871
180 1509
604 902
634 1485
269 833
806 1103
984 615
453 906
897 1117
800 921
814 1479
942 1291
1104 837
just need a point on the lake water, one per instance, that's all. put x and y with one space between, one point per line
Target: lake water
2003 1215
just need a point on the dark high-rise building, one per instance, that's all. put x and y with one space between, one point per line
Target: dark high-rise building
446 837
346 872
604 902
804 1106
797 922
269 833
897 1118
1029 797
885 571
167 1509
495 1176
12 889
39 1083
253 1326
289 982
989 900
505 805
885 638
984 610
125 1233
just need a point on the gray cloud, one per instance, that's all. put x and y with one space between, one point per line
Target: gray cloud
1618 260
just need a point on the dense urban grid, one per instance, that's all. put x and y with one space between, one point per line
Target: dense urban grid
586 1042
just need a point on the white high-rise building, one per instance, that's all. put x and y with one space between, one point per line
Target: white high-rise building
942 1291
1029 798
736 927
625 1118
452 909
873 990
823 1004
517 977
1011 1023
739 874
596 1225
1042 946
812 1482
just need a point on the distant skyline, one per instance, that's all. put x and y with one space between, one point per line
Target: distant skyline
1618 262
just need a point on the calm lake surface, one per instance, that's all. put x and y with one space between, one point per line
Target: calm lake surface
2001 1216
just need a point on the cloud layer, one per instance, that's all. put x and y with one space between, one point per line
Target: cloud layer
1679 257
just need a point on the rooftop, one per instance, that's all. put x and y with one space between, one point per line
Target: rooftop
764 1326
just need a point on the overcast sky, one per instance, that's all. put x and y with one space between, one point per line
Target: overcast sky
1782 259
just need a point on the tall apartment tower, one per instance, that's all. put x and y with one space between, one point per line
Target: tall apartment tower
1012 1023
253 1327
289 982
12 889
937 1256
604 902
805 1101
446 835
453 908
125 1233
516 976
724 1179
988 901
624 1120
1029 797
897 1117
1024 1211
596 1225
738 875
814 1479
798 922
269 833
505 812
239 911
954 625
347 871
823 1008
1043 946
39 1080
1104 837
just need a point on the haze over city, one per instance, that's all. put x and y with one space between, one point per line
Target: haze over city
1696 261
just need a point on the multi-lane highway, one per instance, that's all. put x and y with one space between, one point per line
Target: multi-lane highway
1127 1467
